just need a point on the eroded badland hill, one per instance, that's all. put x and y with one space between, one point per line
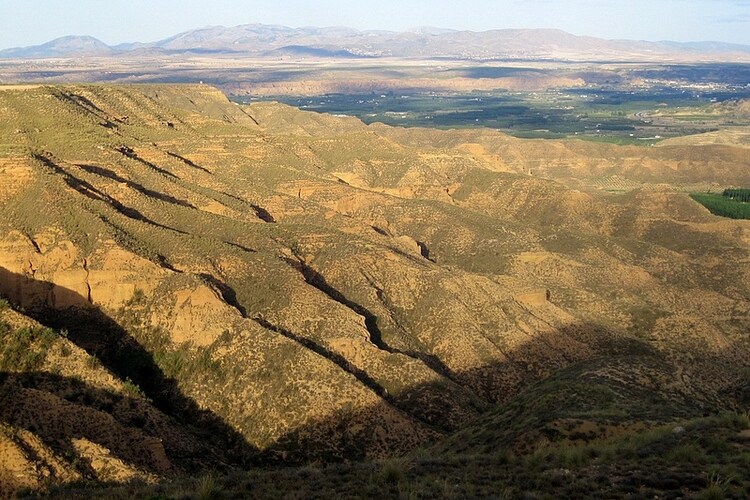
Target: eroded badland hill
198 286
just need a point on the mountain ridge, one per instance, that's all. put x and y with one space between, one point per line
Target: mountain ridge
423 42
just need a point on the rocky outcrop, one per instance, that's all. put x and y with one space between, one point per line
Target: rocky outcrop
49 270
534 297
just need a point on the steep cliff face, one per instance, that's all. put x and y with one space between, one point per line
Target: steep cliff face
302 287
52 271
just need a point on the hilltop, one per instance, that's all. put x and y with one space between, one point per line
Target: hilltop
67 46
233 288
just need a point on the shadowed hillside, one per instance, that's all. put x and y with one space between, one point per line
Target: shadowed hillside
109 344
287 287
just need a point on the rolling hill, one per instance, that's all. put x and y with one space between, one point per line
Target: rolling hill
297 300
67 46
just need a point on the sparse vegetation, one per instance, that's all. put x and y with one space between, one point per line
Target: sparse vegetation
325 308
208 488
132 389
24 349
648 463
393 471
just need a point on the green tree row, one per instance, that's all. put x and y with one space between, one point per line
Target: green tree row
741 194
723 206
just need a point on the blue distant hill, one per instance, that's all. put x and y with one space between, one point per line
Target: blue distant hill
260 40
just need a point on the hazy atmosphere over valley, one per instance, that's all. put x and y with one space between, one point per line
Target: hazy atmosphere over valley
375 249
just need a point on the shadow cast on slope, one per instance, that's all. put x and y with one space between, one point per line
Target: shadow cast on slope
189 162
129 152
540 383
63 411
88 190
318 281
109 174
101 336
623 386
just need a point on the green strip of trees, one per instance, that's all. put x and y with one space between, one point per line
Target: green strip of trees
733 203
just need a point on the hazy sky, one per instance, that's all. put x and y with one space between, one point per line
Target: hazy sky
30 22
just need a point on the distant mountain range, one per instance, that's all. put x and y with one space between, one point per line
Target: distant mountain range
258 40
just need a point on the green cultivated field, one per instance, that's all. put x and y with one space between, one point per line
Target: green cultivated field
616 116
732 203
